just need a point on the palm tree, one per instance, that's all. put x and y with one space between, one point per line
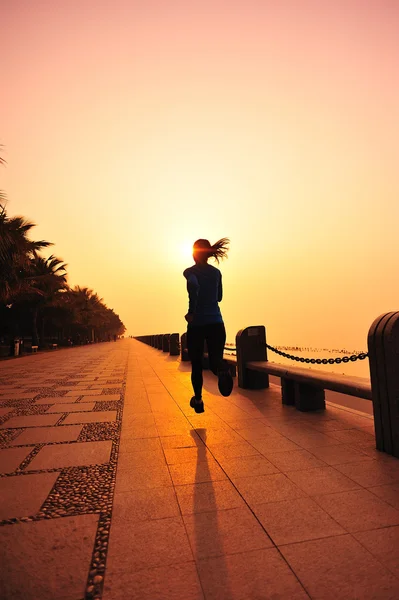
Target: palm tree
47 278
16 252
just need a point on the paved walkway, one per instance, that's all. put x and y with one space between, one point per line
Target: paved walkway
112 487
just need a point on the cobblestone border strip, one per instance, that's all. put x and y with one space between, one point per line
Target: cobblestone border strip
100 479
95 580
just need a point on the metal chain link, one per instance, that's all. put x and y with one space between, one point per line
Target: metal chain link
313 361
320 361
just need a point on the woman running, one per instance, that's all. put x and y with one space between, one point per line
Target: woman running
205 322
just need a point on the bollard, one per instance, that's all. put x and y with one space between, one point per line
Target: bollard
16 347
159 341
174 348
165 342
183 348
383 347
251 346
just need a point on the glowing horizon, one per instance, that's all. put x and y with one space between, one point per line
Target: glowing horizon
131 130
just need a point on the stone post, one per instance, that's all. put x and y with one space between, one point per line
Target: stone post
183 348
251 346
165 342
174 349
383 347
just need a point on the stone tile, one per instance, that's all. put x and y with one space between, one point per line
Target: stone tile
11 458
338 455
23 495
248 466
330 425
36 385
47 435
73 393
257 430
388 493
30 421
181 455
351 436
151 459
74 407
222 532
309 438
174 582
323 480
180 441
138 432
18 395
63 388
47 559
358 510
339 567
138 445
226 451
55 400
216 437
144 544
100 397
103 416
272 444
5 411
196 472
260 574
384 545
370 472
295 460
143 478
138 420
267 488
145 504
70 455
208 496
296 520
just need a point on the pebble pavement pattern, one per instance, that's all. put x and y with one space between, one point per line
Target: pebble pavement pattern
78 489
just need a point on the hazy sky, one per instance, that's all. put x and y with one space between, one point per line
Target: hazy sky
132 128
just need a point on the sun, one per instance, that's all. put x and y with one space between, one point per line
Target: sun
186 250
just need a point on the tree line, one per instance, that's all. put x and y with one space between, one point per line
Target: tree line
36 302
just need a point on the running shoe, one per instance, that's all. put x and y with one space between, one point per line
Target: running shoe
225 382
197 405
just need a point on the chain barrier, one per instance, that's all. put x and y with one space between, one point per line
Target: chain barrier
313 361
320 361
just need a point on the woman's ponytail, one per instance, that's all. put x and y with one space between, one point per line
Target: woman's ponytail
219 249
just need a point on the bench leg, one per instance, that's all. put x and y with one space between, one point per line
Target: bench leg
288 391
309 397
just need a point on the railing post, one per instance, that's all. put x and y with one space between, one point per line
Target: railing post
174 349
165 342
383 347
183 348
251 346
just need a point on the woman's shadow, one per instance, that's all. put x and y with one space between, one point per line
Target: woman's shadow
208 544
